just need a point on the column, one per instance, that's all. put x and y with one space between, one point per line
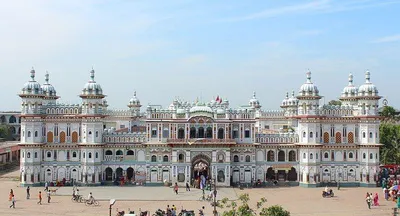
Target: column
276 175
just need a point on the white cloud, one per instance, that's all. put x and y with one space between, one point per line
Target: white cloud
391 38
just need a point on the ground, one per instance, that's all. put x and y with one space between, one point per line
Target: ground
299 201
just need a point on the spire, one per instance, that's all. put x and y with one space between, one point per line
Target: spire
92 75
308 76
254 94
46 77
287 95
134 94
350 79
33 74
293 94
367 77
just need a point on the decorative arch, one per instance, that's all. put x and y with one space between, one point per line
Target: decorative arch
350 137
338 137
292 155
201 158
12 120
270 155
281 155
74 137
326 137
62 137
50 137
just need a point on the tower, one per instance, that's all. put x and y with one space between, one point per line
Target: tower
134 105
349 94
368 131
308 98
92 112
49 92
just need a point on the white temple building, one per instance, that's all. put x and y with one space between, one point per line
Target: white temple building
304 143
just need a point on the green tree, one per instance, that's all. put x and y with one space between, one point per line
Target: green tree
389 114
335 102
390 138
4 132
243 209
274 211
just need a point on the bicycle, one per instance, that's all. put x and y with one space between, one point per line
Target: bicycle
77 198
91 202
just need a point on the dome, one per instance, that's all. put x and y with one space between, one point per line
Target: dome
308 88
367 89
134 100
32 86
350 90
285 101
180 111
91 87
220 111
254 101
293 101
47 88
201 107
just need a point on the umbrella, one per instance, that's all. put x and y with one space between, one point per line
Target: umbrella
396 187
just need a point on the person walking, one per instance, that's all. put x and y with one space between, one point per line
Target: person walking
376 200
28 195
176 188
48 197
40 198
46 187
187 186
10 195
12 202
369 201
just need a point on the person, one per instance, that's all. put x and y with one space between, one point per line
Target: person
210 195
48 196
10 195
46 186
386 194
12 201
326 189
368 200
120 213
173 210
376 200
176 188
28 195
90 198
40 198
187 186
398 203
201 211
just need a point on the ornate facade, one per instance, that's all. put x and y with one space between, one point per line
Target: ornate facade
303 143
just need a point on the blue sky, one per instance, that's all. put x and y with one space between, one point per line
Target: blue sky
190 49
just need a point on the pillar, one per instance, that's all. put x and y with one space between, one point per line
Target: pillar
276 175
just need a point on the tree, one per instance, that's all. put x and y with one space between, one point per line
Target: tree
389 114
274 211
243 209
335 102
390 138
4 132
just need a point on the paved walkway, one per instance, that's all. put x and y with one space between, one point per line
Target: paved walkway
145 193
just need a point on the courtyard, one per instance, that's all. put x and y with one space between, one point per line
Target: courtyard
299 201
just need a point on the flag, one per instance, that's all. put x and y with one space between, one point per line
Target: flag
220 100
217 99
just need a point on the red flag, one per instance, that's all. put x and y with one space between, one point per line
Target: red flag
220 100
217 99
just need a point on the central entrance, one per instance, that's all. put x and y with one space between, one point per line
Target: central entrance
200 170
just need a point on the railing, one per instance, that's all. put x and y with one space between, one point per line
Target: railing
201 140
113 157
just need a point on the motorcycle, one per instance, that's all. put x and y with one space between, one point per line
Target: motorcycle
185 212
159 212
328 194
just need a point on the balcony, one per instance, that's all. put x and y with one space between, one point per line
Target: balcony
201 141
119 158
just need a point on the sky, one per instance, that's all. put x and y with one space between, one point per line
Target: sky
198 49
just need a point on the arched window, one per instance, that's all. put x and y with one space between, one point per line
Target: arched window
181 133
311 134
304 134
84 155
36 155
97 134
109 152
350 155
119 152
129 152
181 158
247 158
292 156
370 135
165 158
90 154
28 155
153 158
304 155
74 154
29 134
97 155
311 156
364 156
220 133
281 156
363 134
326 155
48 154
36 134
371 156
235 158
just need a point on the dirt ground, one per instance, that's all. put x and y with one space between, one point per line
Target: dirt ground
299 201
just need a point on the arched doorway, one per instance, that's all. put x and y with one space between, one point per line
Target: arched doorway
109 174
119 173
74 175
270 174
201 132
292 175
130 174
200 170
